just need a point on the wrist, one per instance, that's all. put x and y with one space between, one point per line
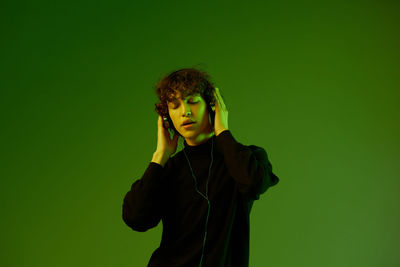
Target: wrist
160 157
217 132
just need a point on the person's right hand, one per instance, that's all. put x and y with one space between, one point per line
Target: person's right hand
165 145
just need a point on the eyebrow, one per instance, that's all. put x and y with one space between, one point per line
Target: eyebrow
174 99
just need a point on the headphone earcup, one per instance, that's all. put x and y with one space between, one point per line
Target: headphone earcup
166 122
212 105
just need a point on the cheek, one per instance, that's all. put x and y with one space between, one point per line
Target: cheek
202 112
172 115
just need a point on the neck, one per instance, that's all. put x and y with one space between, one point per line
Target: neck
200 139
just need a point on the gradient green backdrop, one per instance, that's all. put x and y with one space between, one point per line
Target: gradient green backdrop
314 83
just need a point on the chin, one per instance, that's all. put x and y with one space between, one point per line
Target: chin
191 134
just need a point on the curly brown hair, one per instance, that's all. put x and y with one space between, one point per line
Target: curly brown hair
186 81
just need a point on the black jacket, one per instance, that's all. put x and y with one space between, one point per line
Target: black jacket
238 176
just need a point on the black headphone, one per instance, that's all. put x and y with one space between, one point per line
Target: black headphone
204 196
168 124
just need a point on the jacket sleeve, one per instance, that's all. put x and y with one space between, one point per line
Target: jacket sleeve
143 204
247 165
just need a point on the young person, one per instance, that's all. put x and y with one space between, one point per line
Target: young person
204 193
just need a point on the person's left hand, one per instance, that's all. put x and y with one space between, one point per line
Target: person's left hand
221 114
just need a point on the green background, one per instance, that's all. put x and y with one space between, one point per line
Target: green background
315 83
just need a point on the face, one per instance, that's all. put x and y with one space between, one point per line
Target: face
197 132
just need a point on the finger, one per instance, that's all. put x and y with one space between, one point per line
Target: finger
216 101
216 94
219 97
159 122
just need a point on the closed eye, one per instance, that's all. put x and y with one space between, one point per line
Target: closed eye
190 102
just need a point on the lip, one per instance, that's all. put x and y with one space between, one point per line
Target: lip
188 125
187 121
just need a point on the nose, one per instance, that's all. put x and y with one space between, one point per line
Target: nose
185 109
